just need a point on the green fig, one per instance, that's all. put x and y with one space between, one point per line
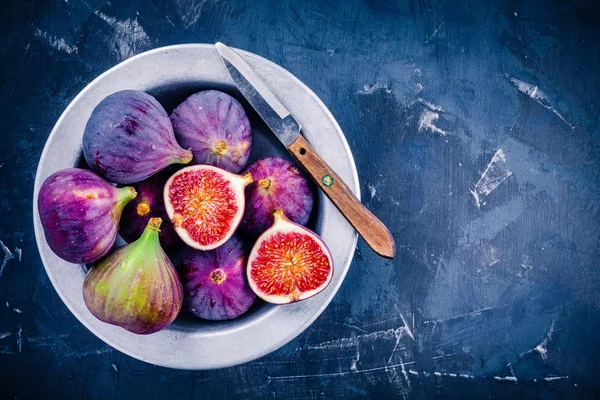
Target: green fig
136 287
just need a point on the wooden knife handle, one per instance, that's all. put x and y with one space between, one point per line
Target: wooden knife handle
368 226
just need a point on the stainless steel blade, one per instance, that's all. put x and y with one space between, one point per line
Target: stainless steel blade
261 98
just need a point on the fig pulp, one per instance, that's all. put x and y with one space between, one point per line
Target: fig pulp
149 203
129 137
288 263
215 127
80 214
277 185
215 281
205 204
136 286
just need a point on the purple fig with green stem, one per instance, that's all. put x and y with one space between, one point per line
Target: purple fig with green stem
129 137
80 214
136 287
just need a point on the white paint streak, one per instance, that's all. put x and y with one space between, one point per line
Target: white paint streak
372 190
426 122
20 338
413 372
539 96
115 367
495 173
128 37
17 310
190 11
355 360
5 335
506 378
370 89
8 255
58 44
555 378
19 253
430 105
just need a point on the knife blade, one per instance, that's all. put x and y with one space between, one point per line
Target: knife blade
288 130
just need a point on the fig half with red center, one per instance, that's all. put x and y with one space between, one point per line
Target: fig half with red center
215 127
278 185
205 204
215 281
288 263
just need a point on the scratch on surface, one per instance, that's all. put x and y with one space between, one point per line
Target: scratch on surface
128 38
59 44
115 367
5 335
20 338
8 255
471 314
17 310
334 374
536 94
542 347
370 89
506 378
555 378
435 32
190 11
19 253
430 105
495 173
441 374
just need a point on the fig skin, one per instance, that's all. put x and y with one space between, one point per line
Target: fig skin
216 128
215 281
136 287
277 185
129 137
80 214
149 203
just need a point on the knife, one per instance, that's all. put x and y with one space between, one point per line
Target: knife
288 130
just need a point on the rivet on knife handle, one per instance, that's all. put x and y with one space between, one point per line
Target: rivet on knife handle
368 226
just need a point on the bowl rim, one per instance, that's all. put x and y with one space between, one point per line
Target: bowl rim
353 183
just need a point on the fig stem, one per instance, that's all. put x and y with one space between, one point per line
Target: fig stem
247 178
279 215
143 208
154 224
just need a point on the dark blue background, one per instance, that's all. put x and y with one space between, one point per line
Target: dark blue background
499 299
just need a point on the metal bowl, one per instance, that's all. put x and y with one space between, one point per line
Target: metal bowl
171 74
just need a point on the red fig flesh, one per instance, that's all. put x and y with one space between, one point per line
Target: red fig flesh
205 204
288 263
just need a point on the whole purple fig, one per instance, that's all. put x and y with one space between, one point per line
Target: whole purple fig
149 203
215 281
129 137
80 214
136 287
277 185
215 127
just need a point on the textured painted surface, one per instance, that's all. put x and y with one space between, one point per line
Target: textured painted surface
474 126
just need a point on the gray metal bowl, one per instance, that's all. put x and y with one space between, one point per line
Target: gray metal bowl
171 74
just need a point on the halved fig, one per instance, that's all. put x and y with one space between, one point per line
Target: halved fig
288 263
205 204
